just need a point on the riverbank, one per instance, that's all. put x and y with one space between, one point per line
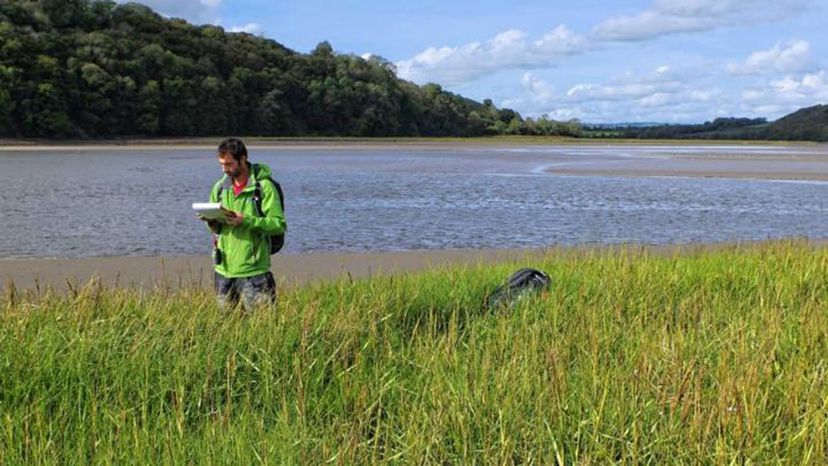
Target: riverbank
297 269
328 142
185 271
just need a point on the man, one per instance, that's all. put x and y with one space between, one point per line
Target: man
242 242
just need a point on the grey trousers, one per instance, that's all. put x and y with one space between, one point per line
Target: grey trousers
251 292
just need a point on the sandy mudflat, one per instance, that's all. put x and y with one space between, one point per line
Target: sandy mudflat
807 163
745 174
177 271
186 271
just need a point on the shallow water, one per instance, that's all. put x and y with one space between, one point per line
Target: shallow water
80 203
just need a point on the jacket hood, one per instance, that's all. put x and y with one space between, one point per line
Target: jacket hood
261 172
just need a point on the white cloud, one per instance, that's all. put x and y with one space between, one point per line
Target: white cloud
662 95
782 96
702 95
629 86
650 24
252 28
538 88
560 41
810 85
808 89
676 16
512 49
588 92
509 49
650 88
794 56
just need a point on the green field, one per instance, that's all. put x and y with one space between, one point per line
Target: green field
633 357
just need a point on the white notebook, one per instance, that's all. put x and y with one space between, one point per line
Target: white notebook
209 210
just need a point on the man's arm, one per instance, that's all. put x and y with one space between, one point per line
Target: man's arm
274 221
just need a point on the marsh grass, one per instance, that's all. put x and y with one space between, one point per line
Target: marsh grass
711 357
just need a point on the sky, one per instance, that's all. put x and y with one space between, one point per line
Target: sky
671 61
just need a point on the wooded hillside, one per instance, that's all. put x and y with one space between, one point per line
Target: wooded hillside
80 68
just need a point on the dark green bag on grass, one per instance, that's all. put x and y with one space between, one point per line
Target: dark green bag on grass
523 283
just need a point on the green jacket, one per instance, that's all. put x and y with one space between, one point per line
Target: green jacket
245 249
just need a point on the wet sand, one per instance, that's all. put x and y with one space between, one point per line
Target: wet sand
809 163
298 269
745 174
187 271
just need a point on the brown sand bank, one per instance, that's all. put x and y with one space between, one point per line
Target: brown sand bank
187 271
804 163
745 174
147 272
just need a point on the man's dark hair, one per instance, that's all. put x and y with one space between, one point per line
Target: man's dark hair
234 147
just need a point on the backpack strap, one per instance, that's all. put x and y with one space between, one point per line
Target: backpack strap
257 199
257 193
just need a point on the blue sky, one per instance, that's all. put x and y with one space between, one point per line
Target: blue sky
598 61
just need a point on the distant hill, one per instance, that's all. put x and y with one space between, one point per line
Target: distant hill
805 124
720 128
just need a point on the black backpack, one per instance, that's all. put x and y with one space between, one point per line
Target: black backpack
276 241
522 283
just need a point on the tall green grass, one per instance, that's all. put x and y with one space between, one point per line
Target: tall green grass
712 357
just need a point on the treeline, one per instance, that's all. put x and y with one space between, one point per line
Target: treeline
81 68
720 128
806 124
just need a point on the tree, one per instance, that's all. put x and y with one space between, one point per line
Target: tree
149 110
47 116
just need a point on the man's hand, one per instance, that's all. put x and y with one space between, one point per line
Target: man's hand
233 218
212 223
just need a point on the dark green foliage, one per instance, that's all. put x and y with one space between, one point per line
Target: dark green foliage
88 68
720 128
809 124
806 124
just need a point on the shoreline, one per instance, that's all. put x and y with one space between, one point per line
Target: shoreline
299 269
147 272
365 143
